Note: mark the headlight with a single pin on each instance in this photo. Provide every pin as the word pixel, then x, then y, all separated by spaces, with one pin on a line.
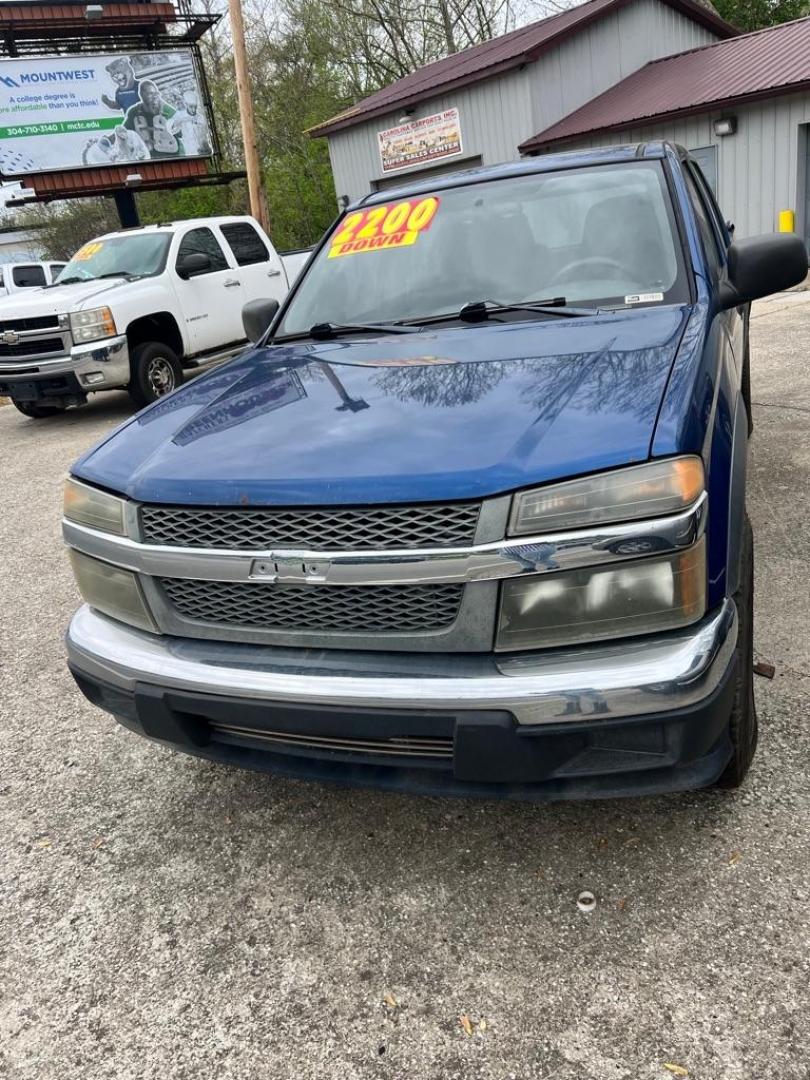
pixel 92 325
pixel 111 590
pixel 89 506
pixel 642 491
pixel 579 606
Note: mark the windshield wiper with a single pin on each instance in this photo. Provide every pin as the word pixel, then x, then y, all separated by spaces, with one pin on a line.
pixel 325 330
pixel 479 310
pixel 99 277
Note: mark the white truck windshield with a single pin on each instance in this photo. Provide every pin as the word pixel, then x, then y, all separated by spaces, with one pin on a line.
pixel 139 255
pixel 597 236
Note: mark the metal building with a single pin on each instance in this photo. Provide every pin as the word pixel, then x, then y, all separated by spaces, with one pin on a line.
pixel 607 71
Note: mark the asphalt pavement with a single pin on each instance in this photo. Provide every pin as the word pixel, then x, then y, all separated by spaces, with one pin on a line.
pixel 162 918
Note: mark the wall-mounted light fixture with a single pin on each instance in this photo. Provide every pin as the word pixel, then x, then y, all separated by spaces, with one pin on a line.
pixel 726 126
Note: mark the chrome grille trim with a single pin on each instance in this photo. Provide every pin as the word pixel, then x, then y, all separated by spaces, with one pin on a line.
pixel 351 609
pixel 594 546
pixel 328 529
pixel 428 746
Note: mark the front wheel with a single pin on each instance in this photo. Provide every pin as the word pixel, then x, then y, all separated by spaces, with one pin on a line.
pixel 743 725
pixel 156 371
pixel 37 412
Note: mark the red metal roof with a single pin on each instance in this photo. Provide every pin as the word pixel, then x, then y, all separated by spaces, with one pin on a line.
pixel 18 17
pixel 102 181
pixel 501 53
pixel 764 63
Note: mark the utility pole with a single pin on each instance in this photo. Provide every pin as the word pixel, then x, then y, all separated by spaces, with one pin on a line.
pixel 258 205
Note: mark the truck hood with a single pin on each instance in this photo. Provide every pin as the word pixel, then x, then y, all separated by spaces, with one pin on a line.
pixel 459 413
pixel 59 299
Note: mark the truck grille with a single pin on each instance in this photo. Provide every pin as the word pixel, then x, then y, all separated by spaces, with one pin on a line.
pixel 32 347
pixel 347 609
pixel 425 746
pixel 352 529
pixel 38 322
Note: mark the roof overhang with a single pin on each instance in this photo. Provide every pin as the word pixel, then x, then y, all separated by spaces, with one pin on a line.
pixel 538 143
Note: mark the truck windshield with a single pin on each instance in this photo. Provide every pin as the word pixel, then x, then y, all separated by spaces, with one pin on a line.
pixel 599 236
pixel 139 255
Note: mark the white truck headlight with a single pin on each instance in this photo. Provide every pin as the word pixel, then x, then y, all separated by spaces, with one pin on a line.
pixel 580 606
pixel 92 325
pixel 96 509
pixel 111 590
pixel 641 491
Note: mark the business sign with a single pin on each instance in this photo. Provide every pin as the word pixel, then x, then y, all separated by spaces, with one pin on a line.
pixel 420 142
pixel 72 112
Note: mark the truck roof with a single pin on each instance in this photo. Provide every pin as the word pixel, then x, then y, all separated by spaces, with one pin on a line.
pixel 170 226
pixel 543 163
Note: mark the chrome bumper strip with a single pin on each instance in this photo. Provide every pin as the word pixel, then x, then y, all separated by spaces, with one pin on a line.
pixel 483 562
pixel 108 357
pixel 633 677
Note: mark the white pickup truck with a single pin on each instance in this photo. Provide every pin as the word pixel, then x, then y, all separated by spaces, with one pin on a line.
pixel 133 309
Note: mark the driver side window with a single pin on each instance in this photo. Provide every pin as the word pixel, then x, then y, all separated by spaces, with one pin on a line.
pixel 203 242
pixel 707 232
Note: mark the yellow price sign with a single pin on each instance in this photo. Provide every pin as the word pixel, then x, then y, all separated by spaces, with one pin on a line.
pixel 88 251
pixel 378 228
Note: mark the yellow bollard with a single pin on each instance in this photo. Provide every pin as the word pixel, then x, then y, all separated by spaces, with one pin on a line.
pixel 787 221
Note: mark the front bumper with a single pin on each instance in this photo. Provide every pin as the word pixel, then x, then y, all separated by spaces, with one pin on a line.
pixel 100 365
pixel 644 715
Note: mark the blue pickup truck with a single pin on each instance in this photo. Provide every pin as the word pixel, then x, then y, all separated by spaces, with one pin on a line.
pixel 469 518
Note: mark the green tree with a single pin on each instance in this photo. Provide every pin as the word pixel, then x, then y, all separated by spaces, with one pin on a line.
pixel 756 14
pixel 64 226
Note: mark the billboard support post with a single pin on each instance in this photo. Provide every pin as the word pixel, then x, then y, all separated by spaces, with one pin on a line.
pixel 127 209
pixel 258 204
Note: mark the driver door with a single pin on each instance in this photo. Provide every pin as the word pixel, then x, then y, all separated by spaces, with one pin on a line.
pixel 211 302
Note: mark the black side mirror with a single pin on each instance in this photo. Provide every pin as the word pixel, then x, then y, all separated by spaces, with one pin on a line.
pixel 257 315
pixel 193 264
pixel 762 265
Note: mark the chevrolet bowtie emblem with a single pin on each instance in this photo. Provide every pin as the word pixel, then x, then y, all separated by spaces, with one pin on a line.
pixel 290 569
pixel 9 337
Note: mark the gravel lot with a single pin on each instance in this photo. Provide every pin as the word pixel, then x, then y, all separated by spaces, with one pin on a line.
pixel 165 918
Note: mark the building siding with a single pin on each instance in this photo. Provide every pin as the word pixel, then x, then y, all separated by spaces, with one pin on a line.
pixel 494 116
pixel 499 113
pixel 603 54
pixel 760 169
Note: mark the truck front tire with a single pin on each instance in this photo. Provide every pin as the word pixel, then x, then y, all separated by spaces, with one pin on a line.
pixel 155 372
pixel 37 412
pixel 743 726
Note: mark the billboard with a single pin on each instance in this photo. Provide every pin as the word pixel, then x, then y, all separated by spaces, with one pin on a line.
pixel 420 142
pixel 74 112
